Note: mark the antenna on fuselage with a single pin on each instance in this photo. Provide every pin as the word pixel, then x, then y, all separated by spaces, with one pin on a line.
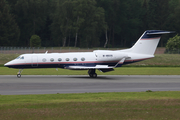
pixel 46 52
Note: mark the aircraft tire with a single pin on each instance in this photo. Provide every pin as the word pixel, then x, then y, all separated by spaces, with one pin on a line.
pixel 19 75
pixel 94 75
pixel 91 75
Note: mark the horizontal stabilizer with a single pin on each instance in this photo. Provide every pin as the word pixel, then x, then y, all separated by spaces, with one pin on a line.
pixel 158 32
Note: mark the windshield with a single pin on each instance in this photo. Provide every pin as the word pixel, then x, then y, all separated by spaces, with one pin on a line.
pixel 20 57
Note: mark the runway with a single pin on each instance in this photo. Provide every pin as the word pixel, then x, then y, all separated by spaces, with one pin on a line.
pixel 46 84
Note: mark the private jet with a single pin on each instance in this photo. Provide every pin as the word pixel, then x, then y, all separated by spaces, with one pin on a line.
pixel 102 60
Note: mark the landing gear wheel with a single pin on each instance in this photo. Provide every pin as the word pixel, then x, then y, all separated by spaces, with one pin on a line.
pixel 92 73
pixel 19 75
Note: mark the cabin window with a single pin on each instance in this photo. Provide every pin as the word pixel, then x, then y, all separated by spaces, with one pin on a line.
pixel 51 59
pixel 67 59
pixel 83 59
pixel 103 55
pixel 59 59
pixel 75 59
pixel 44 59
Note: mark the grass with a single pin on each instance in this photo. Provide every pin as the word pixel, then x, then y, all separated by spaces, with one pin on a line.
pixel 86 97
pixel 118 71
pixel 160 60
pixel 114 110
pixel 90 106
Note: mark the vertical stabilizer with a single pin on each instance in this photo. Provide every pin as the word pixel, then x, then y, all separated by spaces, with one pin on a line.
pixel 148 42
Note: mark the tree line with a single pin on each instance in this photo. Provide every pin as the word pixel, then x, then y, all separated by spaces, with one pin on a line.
pixel 85 23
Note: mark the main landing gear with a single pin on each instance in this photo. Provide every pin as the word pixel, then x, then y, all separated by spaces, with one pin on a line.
pixel 19 73
pixel 92 73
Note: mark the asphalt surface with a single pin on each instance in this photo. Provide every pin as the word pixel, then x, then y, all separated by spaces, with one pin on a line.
pixel 46 84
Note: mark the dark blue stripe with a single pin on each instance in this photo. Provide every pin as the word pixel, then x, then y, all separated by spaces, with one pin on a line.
pixel 58 65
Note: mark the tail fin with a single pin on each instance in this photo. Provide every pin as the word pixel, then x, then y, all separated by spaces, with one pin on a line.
pixel 148 42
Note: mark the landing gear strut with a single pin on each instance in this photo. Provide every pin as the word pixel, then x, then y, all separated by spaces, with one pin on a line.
pixel 19 73
pixel 92 73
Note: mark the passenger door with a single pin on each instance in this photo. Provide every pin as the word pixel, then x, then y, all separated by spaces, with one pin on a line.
pixel 34 61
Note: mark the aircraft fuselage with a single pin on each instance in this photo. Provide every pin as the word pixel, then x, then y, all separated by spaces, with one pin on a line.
pixel 64 60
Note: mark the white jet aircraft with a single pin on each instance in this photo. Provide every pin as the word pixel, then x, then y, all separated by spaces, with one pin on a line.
pixel 103 60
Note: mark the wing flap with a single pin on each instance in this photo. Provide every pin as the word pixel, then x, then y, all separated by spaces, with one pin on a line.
pixel 106 70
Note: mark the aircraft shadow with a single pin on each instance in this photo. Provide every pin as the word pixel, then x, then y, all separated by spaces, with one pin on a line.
pixel 98 78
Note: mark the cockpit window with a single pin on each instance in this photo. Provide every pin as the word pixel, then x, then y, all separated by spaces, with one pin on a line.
pixel 18 57
pixel 22 57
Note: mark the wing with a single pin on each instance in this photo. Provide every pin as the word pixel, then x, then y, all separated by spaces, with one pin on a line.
pixel 103 68
pixel 93 67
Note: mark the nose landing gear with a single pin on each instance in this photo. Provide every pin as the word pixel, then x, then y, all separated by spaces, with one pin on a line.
pixel 19 73
pixel 92 73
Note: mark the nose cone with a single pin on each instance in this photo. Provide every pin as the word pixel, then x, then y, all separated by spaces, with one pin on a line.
pixel 8 64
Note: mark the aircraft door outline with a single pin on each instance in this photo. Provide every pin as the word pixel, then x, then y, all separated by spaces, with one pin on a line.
pixel 34 61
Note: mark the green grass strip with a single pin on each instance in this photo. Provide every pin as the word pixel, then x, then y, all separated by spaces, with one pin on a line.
pixel 87 97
